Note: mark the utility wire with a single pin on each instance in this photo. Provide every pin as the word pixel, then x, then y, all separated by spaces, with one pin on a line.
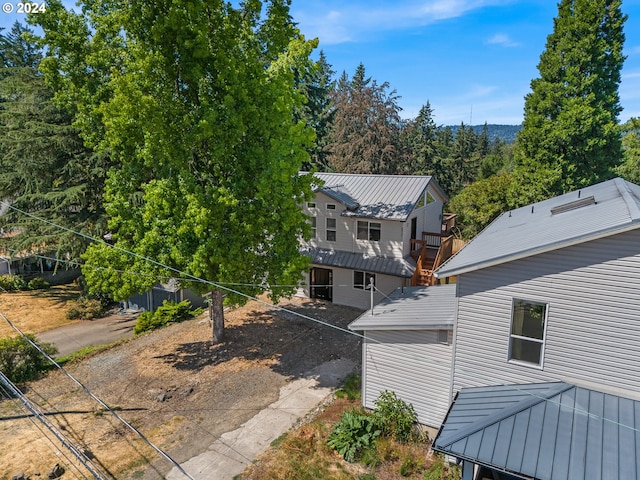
pixel 61 438
pixel 103 404
pixel 222 287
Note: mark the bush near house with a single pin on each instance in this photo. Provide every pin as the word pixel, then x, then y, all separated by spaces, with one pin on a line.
pixel 86 308
pixel 20 361
pixel 166 313
pixel 313 450
pixel 12 283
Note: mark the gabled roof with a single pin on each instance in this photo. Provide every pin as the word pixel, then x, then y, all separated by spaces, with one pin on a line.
pixel 387 197
pixel 412 308
pixel 546 431
pixel 398 267
pixel 593 212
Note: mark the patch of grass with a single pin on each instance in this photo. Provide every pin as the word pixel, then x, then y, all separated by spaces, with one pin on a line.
pixel 351 388
pixel 87 352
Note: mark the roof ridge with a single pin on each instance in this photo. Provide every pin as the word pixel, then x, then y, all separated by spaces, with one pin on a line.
pixel 555 388
pixel 625 192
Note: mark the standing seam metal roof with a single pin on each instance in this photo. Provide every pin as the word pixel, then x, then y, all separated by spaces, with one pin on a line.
pixel 388 197
pixel 398 267
pixel 533 229
pixel 547 431
pixel 412 308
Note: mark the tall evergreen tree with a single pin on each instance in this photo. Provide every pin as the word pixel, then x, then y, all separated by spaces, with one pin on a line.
pixel 630 167
pixel 45 169
pixel 318 110
pixel 420 138
pixel 365 135
pixel 570 136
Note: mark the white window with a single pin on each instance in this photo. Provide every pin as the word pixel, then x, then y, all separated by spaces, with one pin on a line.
pixel 331 229
pixel 362 280
pixel 528 322
pixel 368 231
pixel 313 227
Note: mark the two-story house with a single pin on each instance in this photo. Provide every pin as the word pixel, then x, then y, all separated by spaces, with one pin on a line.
pixel 545 367
pixel 365 229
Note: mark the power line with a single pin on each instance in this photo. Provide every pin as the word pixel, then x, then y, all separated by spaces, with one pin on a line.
pixel 98 400
pixel 231 290
pixel 61 438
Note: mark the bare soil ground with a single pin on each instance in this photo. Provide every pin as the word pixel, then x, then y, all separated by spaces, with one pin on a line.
pixel 175 387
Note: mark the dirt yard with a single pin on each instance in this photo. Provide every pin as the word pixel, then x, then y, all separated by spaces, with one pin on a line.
pixel 37 311
pixel 175 387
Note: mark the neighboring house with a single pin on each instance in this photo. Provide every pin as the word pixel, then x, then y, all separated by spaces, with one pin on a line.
pixel 550 292
pixel 370 227
pixel 5 266
pixel 170 291
pixel 408 349
pixel 547 293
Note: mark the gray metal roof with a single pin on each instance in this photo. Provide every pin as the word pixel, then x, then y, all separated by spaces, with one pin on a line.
pixel 412 308
pixel 549 431
pixel 398 267
pixel 535 229
pixel 388 197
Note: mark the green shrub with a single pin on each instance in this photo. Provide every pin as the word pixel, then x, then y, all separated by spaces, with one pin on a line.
pixel 394 417
pixel 86 308
pixel 166 313
pixel 354 432
pixel 442 470
pixel 20 361
pixel 37 283
pixel 351 388
pixel 409 465
pixel 12 282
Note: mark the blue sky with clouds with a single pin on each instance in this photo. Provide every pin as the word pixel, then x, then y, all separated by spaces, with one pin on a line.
pixel 473 60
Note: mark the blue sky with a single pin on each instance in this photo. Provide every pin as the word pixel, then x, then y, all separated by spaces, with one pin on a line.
pixel 473 60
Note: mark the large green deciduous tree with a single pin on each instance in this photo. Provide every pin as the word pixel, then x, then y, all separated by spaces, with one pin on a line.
pixel 195 101
pixel 45 169
pixel 570 136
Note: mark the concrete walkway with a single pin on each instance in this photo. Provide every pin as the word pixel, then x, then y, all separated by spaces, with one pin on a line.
pixel 234 451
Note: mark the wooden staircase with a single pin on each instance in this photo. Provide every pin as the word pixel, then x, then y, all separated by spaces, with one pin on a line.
pixel 436 248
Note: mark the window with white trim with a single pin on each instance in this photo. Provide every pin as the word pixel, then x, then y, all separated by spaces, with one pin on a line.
pixel 311 204
pixel 331 229
pixel 331 206
pixel 368 231
pixel 362 280
pixel 314 228
pixel 526 340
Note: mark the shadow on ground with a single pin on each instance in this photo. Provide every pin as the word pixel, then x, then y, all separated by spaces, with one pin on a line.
pixel 297 343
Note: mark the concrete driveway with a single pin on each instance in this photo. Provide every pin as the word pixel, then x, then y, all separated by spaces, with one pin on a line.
pixel 88 333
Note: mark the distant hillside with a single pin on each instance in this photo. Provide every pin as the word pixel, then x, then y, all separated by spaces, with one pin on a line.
pixel 507 133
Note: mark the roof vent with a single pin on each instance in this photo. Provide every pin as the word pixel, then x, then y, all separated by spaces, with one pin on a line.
pixel 566 207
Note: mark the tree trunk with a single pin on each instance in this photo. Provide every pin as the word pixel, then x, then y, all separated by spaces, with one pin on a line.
pixel 216 315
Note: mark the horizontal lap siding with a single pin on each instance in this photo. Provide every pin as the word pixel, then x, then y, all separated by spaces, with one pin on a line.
pixel 593 329
pixel 414 366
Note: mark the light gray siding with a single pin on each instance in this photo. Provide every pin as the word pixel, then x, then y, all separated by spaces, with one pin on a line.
pixel 345 294
pixel 412 364
pixel 390 243
pixel 593 320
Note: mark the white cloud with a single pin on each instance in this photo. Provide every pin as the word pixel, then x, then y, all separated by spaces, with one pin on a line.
pixel 502 39
pixel 336 21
